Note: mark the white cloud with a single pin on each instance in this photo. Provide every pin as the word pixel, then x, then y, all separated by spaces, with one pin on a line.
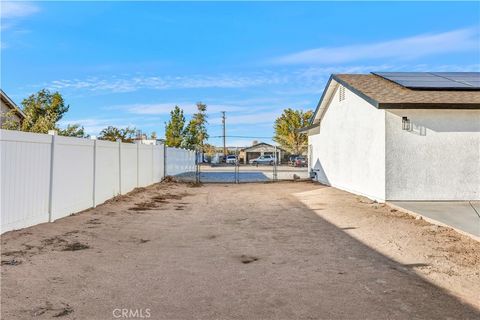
pixel 129 84
pixel 405 48
pixel 16 9
pixel 9 14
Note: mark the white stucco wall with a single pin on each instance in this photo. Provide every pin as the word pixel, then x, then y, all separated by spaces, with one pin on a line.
pixel 349 151
pixel 438 160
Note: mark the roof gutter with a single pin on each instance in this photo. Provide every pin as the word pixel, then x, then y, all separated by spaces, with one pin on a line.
pixel 455 106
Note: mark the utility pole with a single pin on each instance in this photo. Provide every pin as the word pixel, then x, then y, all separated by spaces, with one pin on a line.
pixel 224 144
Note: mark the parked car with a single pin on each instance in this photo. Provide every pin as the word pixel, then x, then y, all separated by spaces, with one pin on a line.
pixel 291 160
pixel 267 159
pixel 231 159
pixel 300 162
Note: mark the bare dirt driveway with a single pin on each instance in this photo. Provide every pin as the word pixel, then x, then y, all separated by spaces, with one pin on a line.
pixel 248 251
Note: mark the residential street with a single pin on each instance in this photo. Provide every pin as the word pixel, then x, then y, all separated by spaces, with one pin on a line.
pixel 250 251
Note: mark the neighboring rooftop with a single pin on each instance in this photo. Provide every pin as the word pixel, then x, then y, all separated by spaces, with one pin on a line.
pixel 10 104
pixel 259 144
pixel 383 93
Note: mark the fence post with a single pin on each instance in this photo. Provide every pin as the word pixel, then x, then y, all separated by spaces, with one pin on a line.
pixel 50 195
pixel 164 160
pixel 94 171
pixel 153 174
pixel 119 166
pixel 138 164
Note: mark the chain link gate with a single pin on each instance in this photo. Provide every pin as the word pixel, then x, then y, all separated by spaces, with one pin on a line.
pixel 236 168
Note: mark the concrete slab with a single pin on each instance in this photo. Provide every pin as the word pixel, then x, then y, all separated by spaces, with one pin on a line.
pixel 461 215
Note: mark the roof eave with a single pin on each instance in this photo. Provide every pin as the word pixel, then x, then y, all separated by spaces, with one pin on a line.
pixel 308 128
pixel 321 100
pixel 453 106
pixel 264 143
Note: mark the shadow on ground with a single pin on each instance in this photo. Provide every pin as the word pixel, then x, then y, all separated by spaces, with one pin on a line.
pixel 235 251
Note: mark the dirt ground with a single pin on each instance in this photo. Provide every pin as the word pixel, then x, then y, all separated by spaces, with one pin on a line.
pixel 249 251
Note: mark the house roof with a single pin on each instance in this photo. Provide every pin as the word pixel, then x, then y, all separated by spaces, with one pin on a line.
pixel 11 104
pixel 261 143
pixel 386 94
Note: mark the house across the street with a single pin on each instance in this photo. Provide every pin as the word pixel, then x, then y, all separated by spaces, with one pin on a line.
pixel 7 105
pixel 260 149
pixel 399 136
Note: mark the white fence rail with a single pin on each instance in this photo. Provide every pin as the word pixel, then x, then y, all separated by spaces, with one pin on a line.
pixel 45 177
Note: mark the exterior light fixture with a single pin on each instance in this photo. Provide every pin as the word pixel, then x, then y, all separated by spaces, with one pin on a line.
pixel 406 124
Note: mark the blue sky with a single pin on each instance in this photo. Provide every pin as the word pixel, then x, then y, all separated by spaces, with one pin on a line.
pixel 128 64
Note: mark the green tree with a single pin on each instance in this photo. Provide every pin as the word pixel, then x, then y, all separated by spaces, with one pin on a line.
pixel 10 121
pixel 209 149
pixel 153 135
pixel 42 111
pixel 174 129
pixel 286 130
pixel 73 130
pixel 112 133
pixel 195 133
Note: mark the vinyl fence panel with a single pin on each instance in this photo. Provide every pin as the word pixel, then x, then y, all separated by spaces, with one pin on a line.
pixel 145 165
pixel 25 179
pixel 107 170
pixel 158 163
pixel 72 185
pixel 128 167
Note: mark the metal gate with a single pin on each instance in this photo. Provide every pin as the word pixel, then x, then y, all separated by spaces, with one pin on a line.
pixel 235 171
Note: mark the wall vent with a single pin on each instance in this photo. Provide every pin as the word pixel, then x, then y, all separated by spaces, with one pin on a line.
pixel 341 94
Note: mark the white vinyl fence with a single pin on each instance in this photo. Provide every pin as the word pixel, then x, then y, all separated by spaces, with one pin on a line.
pixel 184 161
pixel 47 177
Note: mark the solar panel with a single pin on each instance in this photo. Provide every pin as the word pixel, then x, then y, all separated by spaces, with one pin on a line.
pixel 434 80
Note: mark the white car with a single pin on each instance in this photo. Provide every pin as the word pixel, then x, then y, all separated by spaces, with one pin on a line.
pixel 267 159
pixel 231 159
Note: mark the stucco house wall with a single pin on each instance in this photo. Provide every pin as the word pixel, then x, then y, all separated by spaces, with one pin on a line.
pixel 349 151
pixel 439 159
